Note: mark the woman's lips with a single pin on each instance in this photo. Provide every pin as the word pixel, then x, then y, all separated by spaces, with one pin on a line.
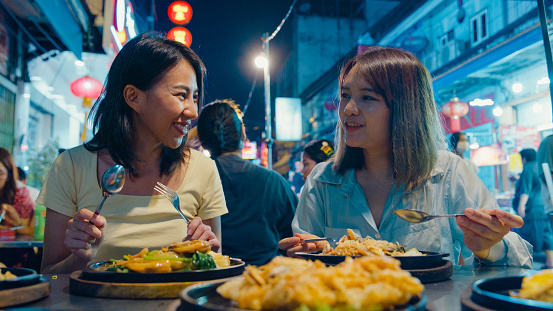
pixel 182 128
pixel 352 126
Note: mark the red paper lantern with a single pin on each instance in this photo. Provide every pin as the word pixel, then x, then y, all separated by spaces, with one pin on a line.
pixel 455 109
pixel 180 34
pixel 180 12
pixel 87 87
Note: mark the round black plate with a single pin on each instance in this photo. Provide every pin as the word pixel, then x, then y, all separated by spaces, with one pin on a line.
pixel 204 297
pixel 91 273
pixel 431 260
pixel 25 277
pixel 494 293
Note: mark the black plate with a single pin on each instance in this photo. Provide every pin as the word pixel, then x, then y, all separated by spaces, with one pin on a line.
pixel 431 260
pixel 494 294
pixel 202 297
pixel 91 273
pixel 25 277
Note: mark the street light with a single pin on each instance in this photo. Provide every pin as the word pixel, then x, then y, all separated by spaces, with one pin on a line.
pixel 263 62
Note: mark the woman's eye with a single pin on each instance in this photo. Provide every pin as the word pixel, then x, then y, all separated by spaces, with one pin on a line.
pixel 182 95
pixel 344 95
pixel 367 97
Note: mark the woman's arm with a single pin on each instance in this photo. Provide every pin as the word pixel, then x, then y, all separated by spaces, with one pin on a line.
pixel 206 230
pixel 70 242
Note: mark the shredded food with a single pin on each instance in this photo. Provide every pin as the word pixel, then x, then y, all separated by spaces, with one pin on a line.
pixel 538 286
pixel 179 256
pixel 352 245
pixel 364 283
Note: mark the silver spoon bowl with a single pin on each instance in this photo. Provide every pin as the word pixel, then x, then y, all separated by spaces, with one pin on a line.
pixel 417 216
pixel 112 182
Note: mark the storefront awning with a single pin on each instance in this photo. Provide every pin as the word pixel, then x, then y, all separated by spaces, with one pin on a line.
pixel 60 17
pixel 483 60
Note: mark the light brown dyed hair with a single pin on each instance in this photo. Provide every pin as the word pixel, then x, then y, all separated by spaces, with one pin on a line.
pixel 416 131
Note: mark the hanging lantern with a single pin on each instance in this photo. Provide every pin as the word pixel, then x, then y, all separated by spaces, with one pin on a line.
pixel 88 88
pixel 454 109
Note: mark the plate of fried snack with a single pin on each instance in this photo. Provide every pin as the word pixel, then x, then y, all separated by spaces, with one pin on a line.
pixel 532 292
pixel 186 261
pixel 17 277
pixel 354 246
pixel 364 283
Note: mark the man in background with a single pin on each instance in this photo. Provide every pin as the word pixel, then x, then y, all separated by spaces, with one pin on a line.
pixel 529 205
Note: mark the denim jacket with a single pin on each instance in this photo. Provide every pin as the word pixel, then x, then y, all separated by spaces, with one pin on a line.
pixel 331 203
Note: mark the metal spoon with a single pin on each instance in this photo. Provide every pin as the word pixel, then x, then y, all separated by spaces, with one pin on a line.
pixel 412 215
pixel 112 182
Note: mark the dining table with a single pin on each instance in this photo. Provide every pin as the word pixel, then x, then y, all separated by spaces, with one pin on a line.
pixel 444 295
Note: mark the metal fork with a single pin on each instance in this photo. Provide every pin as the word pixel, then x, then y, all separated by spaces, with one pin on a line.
pixel 171 196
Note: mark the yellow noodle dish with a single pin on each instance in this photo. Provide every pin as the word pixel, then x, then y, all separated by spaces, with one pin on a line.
pixel 364 283
pixel 538 286
pixel 177 257
pixel 351 245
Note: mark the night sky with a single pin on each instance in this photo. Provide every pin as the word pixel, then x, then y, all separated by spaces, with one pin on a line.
pixel 226 34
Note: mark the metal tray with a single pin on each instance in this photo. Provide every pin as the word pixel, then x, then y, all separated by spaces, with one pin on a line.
pixel 494 294
pixel 92 273
pixel 204 297
pixel 431 260
pixel 25 277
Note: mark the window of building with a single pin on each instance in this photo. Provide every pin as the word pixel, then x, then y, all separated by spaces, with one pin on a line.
pixel 479 28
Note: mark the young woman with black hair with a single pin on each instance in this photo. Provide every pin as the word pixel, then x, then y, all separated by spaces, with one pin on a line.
pixel 153 92
pixel 261 204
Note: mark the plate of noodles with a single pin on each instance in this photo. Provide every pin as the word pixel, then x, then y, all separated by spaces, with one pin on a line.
pixel 367 283
pixel 351 245
pixel 187 261
pixel 533 292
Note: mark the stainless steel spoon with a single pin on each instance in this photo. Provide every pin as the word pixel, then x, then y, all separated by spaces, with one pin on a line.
pixel 412 215
pixel 112 182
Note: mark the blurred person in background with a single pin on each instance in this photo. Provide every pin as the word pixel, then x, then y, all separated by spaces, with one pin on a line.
pixel 545 155
pixel 295 177
pixel 260 202
pixel 17 205
pixel 528 203
pixel 33 192
pixel 315 152
pixel 391 154
pixel 153 91
pixel 460 144
pixel 17 209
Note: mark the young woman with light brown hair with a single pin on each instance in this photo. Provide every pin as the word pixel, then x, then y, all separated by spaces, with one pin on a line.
pixel 391 154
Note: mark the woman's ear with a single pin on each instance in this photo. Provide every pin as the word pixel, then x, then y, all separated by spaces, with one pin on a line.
pixel 131 94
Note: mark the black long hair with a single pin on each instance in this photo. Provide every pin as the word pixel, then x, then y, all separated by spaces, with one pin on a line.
pixel 142 62
pixel 220 128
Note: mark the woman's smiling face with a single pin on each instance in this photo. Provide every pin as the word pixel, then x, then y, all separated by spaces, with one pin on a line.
pixel 166 110
pixel 363 113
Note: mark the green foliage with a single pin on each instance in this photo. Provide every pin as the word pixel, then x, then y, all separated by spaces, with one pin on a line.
pixel 40 162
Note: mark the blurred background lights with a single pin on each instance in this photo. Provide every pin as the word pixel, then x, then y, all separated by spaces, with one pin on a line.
pixel 261 62
pixel 481 102
pixel 544 80
pixel 497 111
pixel 79 63
pixel 517 87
